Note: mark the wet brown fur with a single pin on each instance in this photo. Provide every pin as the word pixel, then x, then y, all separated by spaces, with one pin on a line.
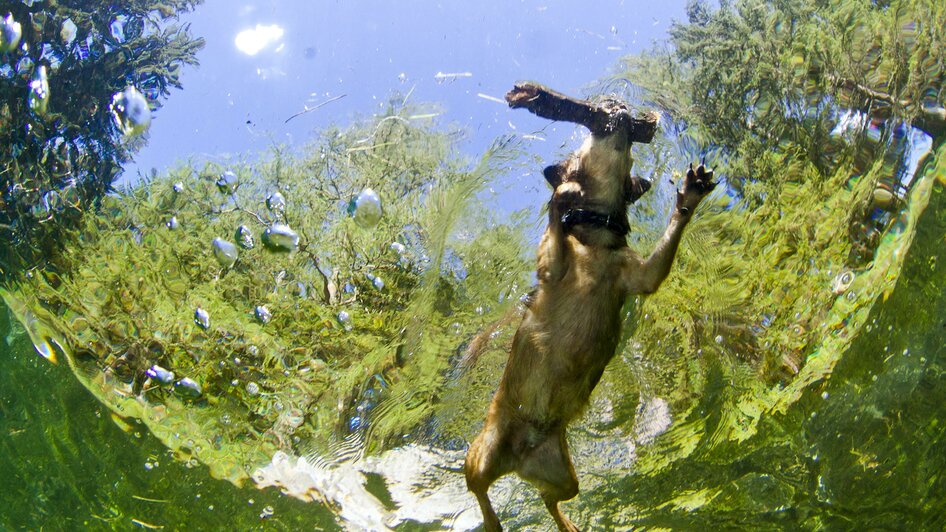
pixel 571 327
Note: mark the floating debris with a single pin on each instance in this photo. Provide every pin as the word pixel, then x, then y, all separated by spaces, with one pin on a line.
pixel 279 237
pixel 276 202
pixel 491 98
pixel 366 208
pixel 160 374
pixel 202 318
pixel 227 182
pixel 10 33
pixel 440 77
pixel 186 388
pixel 38 97
pixel 172 223
pixel 263 314
pixel 178 187
pixel 244 237
pixel 225 252
pixel 131 112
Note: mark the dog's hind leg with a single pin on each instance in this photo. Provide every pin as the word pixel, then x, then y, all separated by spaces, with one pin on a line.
pixel 487 459
pixel 549 468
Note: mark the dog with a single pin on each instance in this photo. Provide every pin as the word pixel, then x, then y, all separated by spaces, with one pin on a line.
pixel 572 322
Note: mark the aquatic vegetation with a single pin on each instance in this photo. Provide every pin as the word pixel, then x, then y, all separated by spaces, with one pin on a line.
pixel 789 373
pixel 299 342
pixel 778 280
pixel 72 91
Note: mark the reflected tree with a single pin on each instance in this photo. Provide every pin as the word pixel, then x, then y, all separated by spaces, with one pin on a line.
pixel 61 150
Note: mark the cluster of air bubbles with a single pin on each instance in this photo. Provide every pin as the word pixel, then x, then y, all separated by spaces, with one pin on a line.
pixel 227 182
pixel 131 112
pixel 842 282
pixel 376 281
pixel 186 388
pixel 267 512
pixel 225 252
pixel 366 208
pixel 202 318
pixel 276 202
pixel 10 34
pixel 68 31
pixel 159 374
pixel 280 237
pixel 262 314
pixel 38 97
pixel 244 237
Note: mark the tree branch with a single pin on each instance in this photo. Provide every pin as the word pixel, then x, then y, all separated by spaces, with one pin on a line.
pixel 546 103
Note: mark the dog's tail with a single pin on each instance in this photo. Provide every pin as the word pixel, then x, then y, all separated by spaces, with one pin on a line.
pixel 481 341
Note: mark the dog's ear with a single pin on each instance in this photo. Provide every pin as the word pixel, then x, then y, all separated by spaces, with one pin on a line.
pixel 634 188
pixel 554 174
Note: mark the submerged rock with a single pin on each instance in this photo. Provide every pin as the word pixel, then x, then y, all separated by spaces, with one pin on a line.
pixel 225 252
pixel 280 237
pixel 131 112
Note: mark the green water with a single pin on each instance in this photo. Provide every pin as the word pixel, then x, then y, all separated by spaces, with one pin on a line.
pixel 68 465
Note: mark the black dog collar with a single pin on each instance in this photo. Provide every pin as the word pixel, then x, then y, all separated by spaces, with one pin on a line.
pixel 585 217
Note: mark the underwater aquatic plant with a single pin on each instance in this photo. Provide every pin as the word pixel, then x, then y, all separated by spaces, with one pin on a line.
pixel 76 64
pixel 303 324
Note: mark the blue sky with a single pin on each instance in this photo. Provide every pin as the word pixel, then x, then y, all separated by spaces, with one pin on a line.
pixel 236 103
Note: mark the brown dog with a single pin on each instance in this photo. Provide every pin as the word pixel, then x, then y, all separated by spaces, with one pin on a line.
pixel 572 325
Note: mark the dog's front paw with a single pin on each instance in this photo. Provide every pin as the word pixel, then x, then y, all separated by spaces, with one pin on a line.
pixel 696 185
